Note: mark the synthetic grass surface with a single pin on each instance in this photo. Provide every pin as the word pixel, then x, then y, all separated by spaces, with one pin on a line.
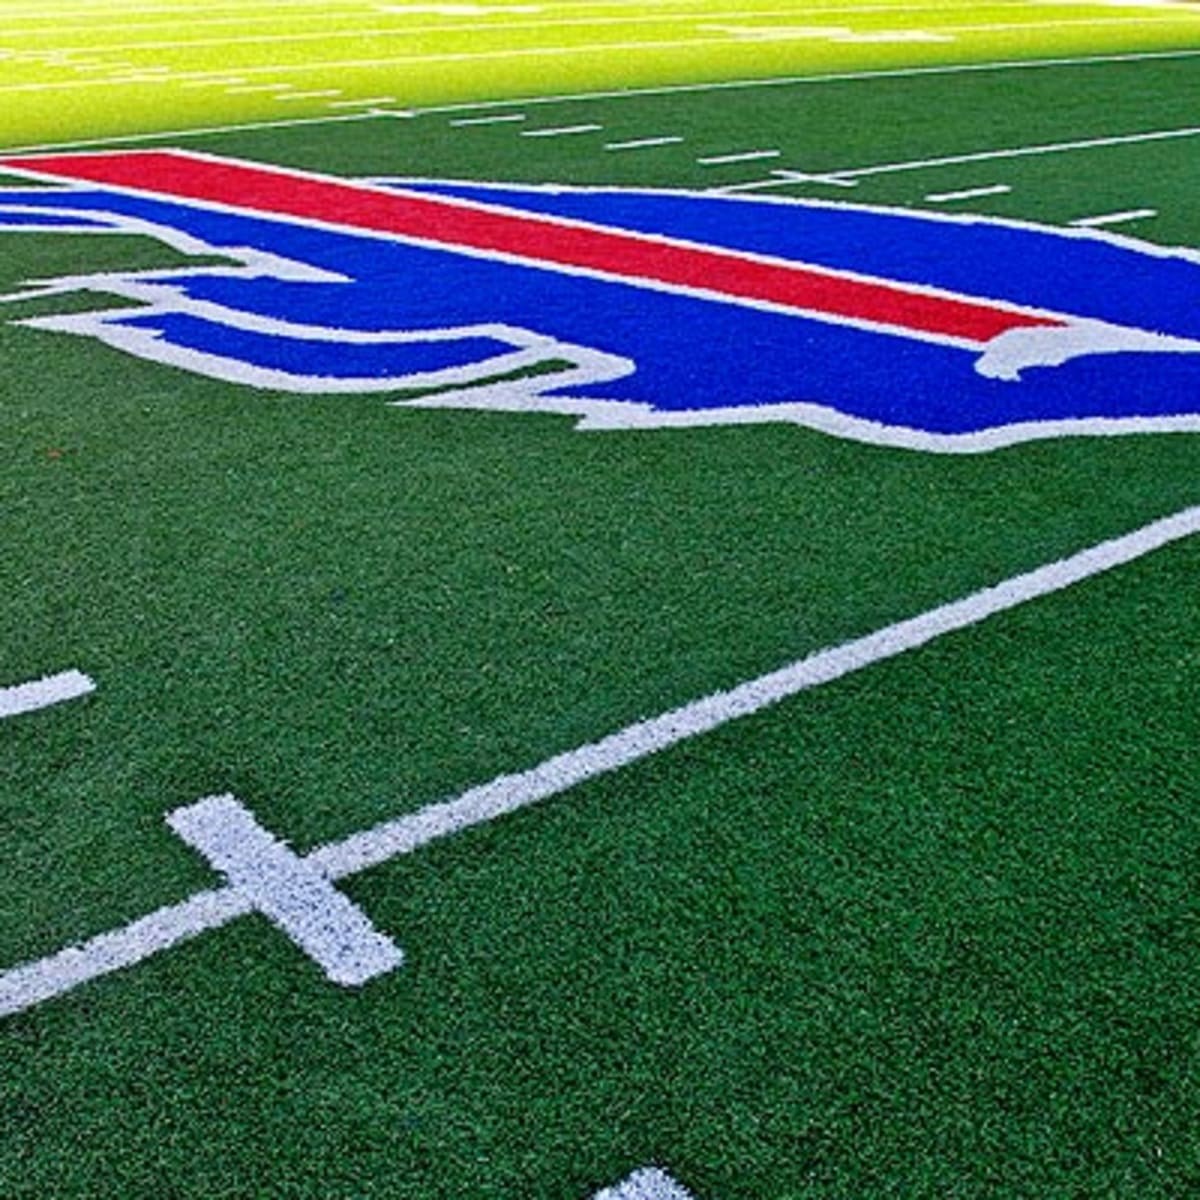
pixel 928 931
pixel 73 70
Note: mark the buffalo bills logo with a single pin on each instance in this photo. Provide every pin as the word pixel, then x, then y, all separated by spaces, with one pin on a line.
pixel 631 309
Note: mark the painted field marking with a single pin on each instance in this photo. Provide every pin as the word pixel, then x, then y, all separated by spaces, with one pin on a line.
pixel 718 160
pixel 1115 218
pixel 783 178
pixel 650 1183
pixel 498 119
pixel 289 891
pixel 652 262
pixel 996 189
pixel 32 983
pixel 1096 143
pixel 792 177
pixel 44 692
pixel 561 131
pixel 644 143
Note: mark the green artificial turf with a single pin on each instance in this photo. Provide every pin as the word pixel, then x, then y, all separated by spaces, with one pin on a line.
pixel 929 931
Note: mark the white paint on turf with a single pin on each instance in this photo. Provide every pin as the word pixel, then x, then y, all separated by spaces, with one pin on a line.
pixel 644 143
pixel 561 131
pixel 44 692
pixel 498 119
pixel 1115 218
pixel 782 178
pixel 976 193
pixel 34 982
pixel 650 1183
pixel 294 895
pixel 741 156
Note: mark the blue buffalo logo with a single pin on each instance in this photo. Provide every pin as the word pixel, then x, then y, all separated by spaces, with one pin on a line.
pixel 630 309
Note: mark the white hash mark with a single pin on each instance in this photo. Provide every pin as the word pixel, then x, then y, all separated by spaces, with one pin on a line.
pixel 649 1183
pixel 42 693
pixel 292 893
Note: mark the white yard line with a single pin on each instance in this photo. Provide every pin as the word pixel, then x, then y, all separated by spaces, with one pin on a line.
pixel 785 178
pixel 948 160
pixel 42 693
pixel 24 986
pixel 1115 218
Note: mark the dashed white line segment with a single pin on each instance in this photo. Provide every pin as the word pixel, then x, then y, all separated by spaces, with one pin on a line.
pixel 717 160
pixel 976 193
pixel 31 983
pixel 44 692
pixel 1115 218
pixel 561 131
pixel 643 143
pixel 495 119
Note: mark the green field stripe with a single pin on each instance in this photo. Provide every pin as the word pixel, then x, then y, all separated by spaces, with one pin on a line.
pixel 30 984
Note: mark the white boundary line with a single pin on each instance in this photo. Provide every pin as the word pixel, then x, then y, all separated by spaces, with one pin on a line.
pixel 32 983
pixel 630 93
pixel 42 693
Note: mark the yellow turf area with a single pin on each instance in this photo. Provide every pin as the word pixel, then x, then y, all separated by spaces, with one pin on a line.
pixel 80 69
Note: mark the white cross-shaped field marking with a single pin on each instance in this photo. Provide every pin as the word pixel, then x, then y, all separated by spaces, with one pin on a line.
pixel 287 889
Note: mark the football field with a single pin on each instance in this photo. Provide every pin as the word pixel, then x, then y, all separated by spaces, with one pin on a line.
pixel 600 600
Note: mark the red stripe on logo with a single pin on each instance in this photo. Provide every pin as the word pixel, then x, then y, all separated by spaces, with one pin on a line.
pixel 537 240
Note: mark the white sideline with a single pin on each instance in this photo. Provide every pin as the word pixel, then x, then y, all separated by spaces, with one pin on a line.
pixel 31 983
pixel 42 693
